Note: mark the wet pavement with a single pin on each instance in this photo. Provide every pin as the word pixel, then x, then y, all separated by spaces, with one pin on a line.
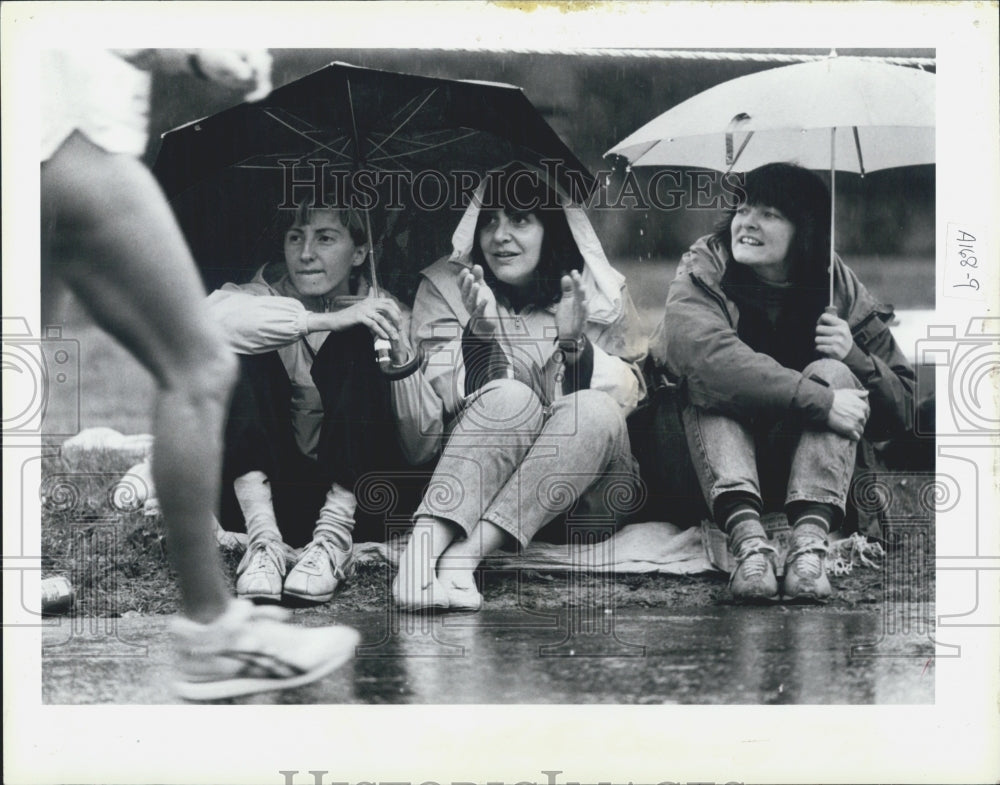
pixel 721 654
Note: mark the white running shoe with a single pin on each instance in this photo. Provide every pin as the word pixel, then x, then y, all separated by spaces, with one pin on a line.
pixel 321 569
pixel 251 648
pixel 261 571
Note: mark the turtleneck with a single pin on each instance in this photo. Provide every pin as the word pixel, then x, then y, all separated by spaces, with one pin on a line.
pixel 775 318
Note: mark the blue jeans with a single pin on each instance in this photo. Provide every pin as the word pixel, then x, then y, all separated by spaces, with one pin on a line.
pixel 517 464
pixel 776 460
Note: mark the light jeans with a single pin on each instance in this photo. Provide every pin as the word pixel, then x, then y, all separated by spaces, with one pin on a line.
pixel 773 459
pixel 518 464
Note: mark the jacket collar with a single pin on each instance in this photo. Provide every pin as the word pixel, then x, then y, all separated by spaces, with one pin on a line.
pixel 708 257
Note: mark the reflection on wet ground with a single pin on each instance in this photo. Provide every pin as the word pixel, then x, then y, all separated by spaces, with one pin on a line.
pixel 722 654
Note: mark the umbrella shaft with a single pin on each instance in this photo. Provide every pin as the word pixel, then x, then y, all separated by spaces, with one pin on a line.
pixel 833 201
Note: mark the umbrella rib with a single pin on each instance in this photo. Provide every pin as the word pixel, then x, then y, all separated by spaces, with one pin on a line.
pixel 304 135
pixel 409 117
pixel 431 146
pixel 299 158
pixel 857 146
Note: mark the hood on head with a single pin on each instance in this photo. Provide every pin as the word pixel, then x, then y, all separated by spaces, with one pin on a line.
pixel 602 283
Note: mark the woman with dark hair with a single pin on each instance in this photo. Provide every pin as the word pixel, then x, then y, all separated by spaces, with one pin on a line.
pixel 311 413
pixel 532 344
pixel 777 390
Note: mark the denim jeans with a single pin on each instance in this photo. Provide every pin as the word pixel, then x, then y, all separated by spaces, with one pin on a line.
pixel 518 464
pixel 776 460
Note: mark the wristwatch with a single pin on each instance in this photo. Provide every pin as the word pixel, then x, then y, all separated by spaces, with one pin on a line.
pixel 569 346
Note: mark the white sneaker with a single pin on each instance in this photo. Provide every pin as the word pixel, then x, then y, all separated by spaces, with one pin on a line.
pixel 321 569
pixel 261 571
pixel 251 648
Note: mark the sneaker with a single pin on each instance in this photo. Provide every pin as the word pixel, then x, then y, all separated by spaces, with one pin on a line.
pixel 753 579
pixel 321 569
pixel 252 648
pixel 805 570
pixel 261 571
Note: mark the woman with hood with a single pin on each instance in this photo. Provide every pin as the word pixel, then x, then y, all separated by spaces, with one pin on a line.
pixel 312 413
pixel 533 345
pixel 777 390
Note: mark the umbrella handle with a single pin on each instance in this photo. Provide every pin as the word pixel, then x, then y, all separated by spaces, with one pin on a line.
pixel 393 372
pixel 831 309
pixel 382 347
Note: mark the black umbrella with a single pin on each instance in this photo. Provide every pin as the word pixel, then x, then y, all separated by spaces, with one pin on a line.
pixel 384 141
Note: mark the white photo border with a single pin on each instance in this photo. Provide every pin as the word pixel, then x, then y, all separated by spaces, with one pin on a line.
pixel 954 740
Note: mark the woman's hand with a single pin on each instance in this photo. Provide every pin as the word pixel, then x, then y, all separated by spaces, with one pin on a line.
pixel 238 69
pixel 849 413
pixel 381 315
pixel 833 336
pixel 479 301
pixel 571 313
pixel 248 70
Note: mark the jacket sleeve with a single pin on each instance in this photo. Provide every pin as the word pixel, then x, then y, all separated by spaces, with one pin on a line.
pixel 255 321
pixel 881 367
pixel 619 351
pixel 698 345
pixel 437 330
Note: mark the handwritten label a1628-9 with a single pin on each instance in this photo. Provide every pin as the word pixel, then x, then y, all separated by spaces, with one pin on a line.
pixel 964 274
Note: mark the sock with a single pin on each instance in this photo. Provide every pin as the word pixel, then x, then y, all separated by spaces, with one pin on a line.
pixel 253 492
pixel 736 507
pixel 815 517
pixel 336 517
pixel 738 515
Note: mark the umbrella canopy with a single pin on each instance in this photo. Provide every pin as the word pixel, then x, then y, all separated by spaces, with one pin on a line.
pixel 881 116
pixel 227 175
pixel 844 113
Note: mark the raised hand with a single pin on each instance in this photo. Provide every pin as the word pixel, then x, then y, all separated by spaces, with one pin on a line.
pixel 833 336
pixel 849 413
pixel 571 313
pixel 479 300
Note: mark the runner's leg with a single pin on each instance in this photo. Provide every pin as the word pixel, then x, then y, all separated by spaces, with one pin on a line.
pixel 121 252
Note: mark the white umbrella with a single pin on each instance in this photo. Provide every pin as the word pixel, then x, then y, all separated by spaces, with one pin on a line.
pixel 845 113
